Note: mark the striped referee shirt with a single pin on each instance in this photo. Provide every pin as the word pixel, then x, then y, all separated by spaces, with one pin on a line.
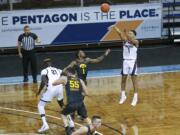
pixel 28 41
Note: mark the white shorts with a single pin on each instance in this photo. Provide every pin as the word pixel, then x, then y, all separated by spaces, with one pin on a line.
pixel 51 92
pixel 129 67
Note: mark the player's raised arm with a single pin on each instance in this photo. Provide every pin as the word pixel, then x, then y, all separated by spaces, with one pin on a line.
pixel 80 131
pixel 99 59
pixel 122 36
pixel 61 80
pixel 72 64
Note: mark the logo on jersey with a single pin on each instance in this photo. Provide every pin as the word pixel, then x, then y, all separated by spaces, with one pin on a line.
pixel 83 68
pixel 74 85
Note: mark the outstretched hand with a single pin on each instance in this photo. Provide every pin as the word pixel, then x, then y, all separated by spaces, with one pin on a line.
pixel 107 52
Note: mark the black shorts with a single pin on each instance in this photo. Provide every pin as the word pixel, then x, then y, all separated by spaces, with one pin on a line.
pixel 72 107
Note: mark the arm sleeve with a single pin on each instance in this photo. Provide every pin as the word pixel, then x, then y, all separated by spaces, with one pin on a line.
pixel 20 38
pixel 44 72
pixel 34 36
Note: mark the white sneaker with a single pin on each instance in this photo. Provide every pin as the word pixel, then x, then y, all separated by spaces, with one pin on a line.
pixel 135 100
pixel 122 100
pixel 135 129
pixel 124 128
pixel 43 129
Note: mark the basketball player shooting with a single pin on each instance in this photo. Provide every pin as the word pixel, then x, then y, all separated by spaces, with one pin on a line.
pixel 130 48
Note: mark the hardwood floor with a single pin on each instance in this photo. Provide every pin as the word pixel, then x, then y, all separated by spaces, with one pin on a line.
pixel 157 112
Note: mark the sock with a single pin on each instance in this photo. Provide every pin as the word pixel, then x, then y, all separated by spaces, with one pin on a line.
pixel 70 121
pixel 123 127
pixel 123 93
pixel 41 110
pixel 41 106
pixel 135 95
pixel 135 129
pixel 44 119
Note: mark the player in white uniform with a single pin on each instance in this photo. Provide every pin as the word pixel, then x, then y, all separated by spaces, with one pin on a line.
pixel 48 76
pixel 130 48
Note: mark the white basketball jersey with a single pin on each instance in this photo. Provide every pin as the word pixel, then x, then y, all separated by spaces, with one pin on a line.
pixel 52 74
pixel 129 51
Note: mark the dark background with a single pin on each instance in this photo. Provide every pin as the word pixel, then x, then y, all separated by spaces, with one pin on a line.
pixel 149 55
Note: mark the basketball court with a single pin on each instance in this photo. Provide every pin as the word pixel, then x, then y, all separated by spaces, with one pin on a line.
pixel 108 33
pixel 156 113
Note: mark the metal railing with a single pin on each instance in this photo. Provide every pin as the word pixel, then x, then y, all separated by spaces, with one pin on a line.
pixel 171 18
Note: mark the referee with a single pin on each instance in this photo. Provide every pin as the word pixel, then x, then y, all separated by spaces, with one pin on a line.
pixel 27 53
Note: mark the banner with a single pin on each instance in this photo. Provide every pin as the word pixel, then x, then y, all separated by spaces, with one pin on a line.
pixel 81 24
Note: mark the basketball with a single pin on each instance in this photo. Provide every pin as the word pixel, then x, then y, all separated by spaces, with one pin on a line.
pixel 105 7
